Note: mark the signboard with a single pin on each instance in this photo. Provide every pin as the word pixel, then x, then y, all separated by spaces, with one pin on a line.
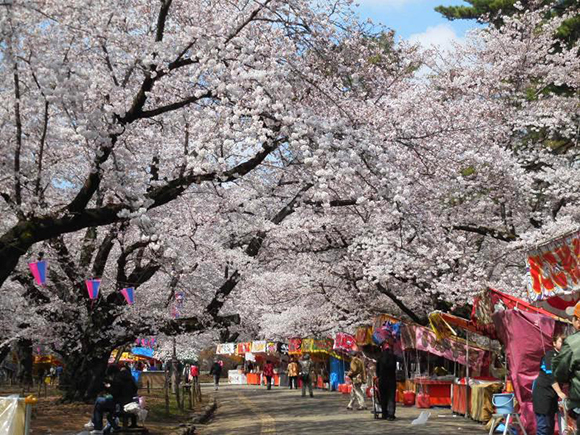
pixel 243 348
pixel 226 349
pixel 345 342
pixel 555 267
pixel 258 346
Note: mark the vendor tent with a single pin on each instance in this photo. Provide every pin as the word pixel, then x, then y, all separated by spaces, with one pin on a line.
pixel 424 339
pixel 526 337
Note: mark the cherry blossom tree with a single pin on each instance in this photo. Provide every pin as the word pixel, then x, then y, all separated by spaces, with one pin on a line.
pixel 114 109
pixel 474 160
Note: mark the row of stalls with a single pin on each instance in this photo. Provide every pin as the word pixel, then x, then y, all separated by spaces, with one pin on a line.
pixel 455 362
pixel 330 358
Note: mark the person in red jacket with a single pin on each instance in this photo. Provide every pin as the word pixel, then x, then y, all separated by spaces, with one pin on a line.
pixel 269 373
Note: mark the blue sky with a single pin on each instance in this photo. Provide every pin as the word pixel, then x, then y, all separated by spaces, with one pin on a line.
pixel 416 19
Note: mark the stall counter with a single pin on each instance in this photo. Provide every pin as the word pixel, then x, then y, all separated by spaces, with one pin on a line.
pixel 439 391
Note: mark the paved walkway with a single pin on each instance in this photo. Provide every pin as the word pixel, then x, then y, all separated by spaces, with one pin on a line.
pixel 251 410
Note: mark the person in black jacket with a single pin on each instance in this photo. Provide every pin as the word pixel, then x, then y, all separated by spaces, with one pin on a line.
pixel 119 389
pixel 387 374
pixel 216 371
pixel 546 390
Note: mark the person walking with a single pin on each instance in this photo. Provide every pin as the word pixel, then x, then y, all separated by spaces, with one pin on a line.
pixel 357 373
pixel 546 391
pixel 216 371
pixel 387 374
pixel 194 373
pixel 293 374
pixel 306 374
pixel 269 373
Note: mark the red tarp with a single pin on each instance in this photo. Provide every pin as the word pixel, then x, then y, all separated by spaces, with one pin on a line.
pixel 526 337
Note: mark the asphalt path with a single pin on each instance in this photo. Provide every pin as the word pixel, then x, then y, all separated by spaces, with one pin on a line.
pixel 254 410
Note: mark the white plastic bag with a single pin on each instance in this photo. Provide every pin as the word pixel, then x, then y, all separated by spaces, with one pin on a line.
pixel 132 408
pixel 422 419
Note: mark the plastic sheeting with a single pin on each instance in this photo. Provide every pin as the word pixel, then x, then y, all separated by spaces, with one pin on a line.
pixel 12 415
pixel 337 369
pixel 526 337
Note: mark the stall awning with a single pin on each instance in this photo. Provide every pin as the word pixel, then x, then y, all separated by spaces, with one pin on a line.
pixel 424 339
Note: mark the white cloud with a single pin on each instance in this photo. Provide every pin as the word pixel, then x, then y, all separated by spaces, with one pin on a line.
pixel 442 36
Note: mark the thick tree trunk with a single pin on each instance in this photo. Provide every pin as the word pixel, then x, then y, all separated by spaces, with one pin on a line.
pixel 84 373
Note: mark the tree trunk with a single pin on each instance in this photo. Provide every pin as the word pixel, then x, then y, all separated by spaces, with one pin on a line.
pixel 84 373
pixel 24 352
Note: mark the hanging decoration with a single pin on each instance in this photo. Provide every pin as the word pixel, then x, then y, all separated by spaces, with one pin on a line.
pixel 38 269
pixel 179 298
pixel 129 294
pixel 93 286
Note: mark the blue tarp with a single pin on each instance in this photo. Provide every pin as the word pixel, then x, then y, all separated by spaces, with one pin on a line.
pixel 143 351
pixel 337 369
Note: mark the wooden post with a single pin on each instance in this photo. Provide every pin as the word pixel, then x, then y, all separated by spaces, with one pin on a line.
pixel 191 395
pixel 148 386
pixel 166 391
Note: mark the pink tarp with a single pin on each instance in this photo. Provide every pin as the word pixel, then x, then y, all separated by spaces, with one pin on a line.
pixel 420 338
pixel 526 337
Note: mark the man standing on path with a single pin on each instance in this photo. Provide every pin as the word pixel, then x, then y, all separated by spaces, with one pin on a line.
pixel 358 375
pixel 216 371
pixel 306 374
pixel 566 364
pixel 387 374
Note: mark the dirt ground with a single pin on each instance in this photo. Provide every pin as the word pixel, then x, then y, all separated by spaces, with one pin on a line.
pixel 54 418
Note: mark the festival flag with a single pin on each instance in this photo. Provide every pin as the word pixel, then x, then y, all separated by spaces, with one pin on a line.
pixel 38 269
pixel 176 310
pixel 93 288
pixel 129 294
pixel 554 267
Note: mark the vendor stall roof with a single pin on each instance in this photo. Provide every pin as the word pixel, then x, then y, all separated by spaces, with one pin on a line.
pixel 557 304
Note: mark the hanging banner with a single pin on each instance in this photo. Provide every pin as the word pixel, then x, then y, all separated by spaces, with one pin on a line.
pixel 272 348
pixel 179 299
pixel 364 335
pixel 316 345
pixel 226 349
pixel 345 342
pixel 420 338
pixel 129 295
pixel 243 348
pixel 554 267
pixel 295 346
pixel 38 270
pixel 282 348
pixel 258 346
pixel 93 286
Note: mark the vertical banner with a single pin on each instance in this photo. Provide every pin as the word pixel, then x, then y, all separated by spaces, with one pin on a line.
pixel 554 267
pixel 179 298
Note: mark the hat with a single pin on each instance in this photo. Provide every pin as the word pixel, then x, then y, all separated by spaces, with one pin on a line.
pixel 574 311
